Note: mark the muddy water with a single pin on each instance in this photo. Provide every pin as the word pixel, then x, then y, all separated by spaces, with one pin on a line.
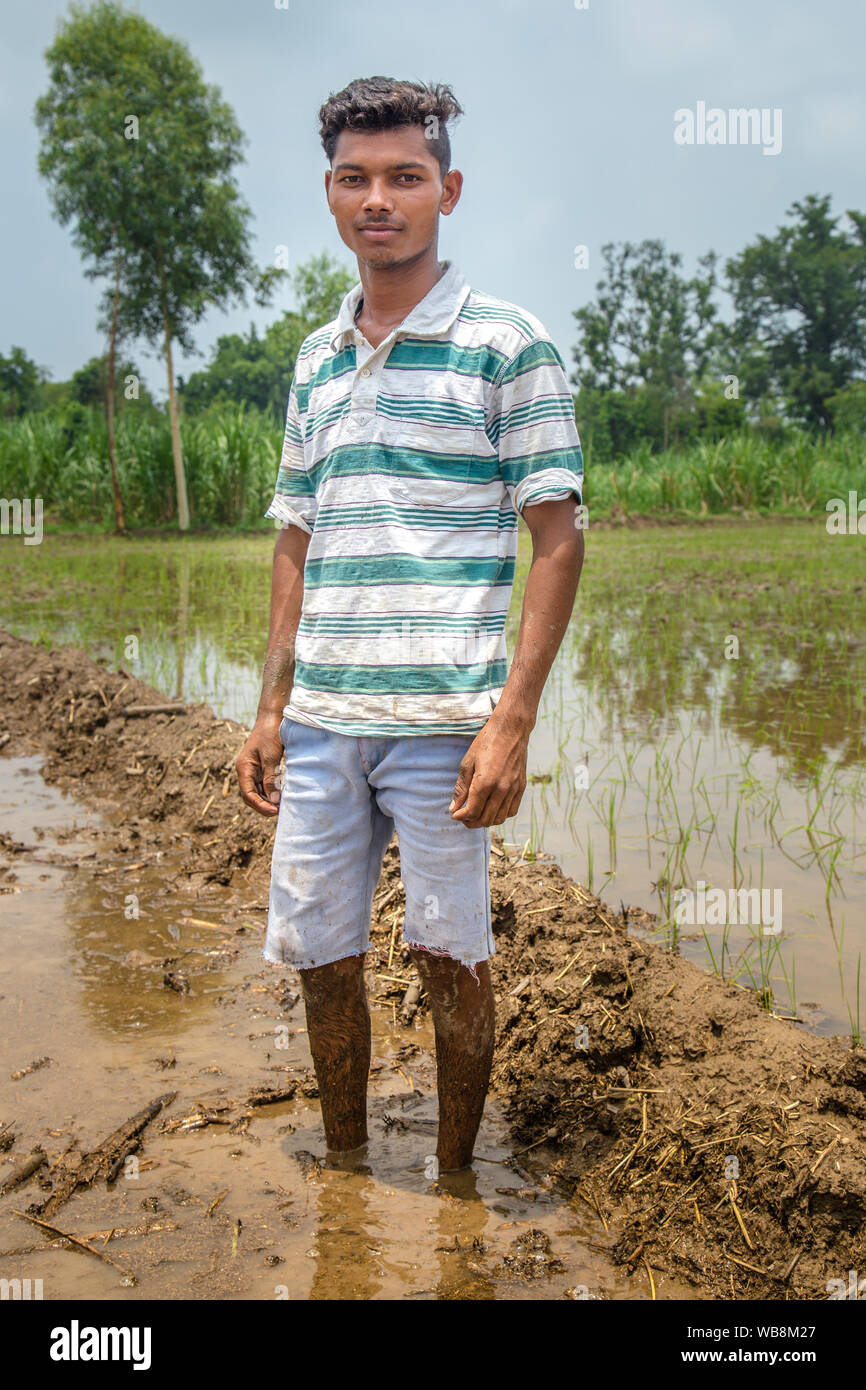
pixel 249 1214
pixel 746 773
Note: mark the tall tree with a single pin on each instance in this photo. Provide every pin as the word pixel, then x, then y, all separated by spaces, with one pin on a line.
pixel 800 310
pixel 649 326
pixel 139 152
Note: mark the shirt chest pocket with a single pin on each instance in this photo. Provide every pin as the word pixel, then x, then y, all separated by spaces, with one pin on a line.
pixel 431 466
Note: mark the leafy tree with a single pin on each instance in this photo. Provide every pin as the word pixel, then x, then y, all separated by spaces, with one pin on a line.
pixel 649 327
pixel 20 383
pixel 89 384
pixel 258 369
pixel 615 424
pixel 848 408
pixel 800 310
pixel 139 152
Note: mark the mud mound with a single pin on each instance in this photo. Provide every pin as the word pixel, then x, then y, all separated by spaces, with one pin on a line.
pixel 172 774
pixel 715 1142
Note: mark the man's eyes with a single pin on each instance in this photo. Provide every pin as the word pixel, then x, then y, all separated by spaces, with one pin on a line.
pixel 350 178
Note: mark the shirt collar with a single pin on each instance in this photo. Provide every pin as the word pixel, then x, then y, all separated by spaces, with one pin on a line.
pixel 433 315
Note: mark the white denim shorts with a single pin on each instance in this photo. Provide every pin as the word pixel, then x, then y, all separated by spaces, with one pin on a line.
pixel 341 800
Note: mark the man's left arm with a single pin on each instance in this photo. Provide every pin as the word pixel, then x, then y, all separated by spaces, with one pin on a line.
pixel 492 776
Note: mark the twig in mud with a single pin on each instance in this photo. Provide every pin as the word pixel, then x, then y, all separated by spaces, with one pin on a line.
pixel 820 1159
pixel 229 1112
pixel 30 1166
pixel 767 1274
pixel 517 1153
pixel 267 1095
pixel 120 868
pixel 641 1140
pixel 671 1209
pixel 211 926
pixel 216 1201
pixel 115 1233
pixel 592 1202
pixel 392 892
pixel 393 938
pixel 31 1067
pixel 740 1223
pixel 197 747
pixel 565 969
pixel 130 711
pixel 199 1118
pixel 78 1242
pixel 107 1157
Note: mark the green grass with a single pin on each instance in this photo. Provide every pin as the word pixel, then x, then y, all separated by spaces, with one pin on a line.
pixel 231 458
pixel 232 454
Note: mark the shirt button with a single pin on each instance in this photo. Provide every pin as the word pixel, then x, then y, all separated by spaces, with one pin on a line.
pixel 365 371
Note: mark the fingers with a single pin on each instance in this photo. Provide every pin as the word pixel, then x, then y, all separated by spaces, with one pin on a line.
pixel 513 806
pixel 464 779
pixel 253 782
pixel 270 786
pixel 487 803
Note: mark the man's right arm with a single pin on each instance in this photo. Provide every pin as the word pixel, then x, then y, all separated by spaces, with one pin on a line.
pixel 259 760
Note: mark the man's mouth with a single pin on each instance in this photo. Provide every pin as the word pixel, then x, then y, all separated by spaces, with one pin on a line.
pixel 379 232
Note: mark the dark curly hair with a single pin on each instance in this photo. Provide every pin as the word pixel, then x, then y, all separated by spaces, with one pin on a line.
pixel 382 103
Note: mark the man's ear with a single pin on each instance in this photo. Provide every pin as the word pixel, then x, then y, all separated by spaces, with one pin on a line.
pixel 452 188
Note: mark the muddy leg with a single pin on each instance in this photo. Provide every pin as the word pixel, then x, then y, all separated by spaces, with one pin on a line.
pixel 464 1022
pixel 338 1026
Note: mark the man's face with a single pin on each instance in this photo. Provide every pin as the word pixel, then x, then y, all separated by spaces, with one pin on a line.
pixel 386 191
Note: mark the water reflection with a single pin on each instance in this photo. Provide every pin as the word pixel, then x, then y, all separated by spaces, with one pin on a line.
pixel 705 716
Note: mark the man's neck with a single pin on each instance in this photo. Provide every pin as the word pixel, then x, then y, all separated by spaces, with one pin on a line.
pixel 390 294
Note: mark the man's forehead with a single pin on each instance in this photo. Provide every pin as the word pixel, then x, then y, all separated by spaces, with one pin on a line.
pixel 383 148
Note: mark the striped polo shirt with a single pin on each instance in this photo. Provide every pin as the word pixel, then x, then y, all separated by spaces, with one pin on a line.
pixel 408 465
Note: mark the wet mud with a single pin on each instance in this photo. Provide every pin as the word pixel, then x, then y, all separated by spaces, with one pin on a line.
pixel 652 1132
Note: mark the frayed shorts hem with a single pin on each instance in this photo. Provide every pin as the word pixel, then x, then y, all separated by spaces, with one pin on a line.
pixel 311 965
pixel 470 961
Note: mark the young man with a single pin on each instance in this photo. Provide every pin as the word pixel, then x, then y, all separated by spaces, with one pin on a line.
pixel 421 421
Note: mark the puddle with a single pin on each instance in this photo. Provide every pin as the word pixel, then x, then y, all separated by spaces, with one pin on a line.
pixel 211 1213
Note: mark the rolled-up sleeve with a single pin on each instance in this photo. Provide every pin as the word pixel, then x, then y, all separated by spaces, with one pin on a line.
pixel 532 427
pixel 294 501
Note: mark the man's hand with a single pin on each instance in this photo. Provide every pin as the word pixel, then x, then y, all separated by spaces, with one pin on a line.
pixel 492 776
pixel 257 764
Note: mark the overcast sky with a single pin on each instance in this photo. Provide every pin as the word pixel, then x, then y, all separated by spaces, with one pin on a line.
pixel 567 137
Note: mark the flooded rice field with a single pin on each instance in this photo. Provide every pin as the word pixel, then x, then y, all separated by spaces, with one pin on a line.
pixel 677 1109
pixel 704 725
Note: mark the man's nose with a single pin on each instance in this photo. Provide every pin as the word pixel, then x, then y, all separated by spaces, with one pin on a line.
pixel 378 197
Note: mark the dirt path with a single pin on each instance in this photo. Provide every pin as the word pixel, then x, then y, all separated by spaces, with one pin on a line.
pixel 719 1147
